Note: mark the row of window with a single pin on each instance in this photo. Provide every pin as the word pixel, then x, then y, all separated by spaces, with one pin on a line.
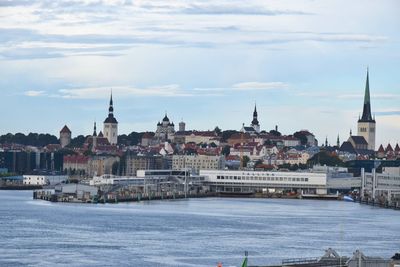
pixel 364 129
pixel 253 178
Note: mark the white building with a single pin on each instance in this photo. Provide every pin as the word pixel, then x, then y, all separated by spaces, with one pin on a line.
pixel 115 180
pixel 44 179
pixel 245 181
pixel 111 125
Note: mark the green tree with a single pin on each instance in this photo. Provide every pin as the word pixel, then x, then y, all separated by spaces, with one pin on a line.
pixel 217 130
pixel 77 141
pixel 246 160
pixel 274 132
pixel 226 150
pixel 325 158
pixel 227 134
pixel 302 137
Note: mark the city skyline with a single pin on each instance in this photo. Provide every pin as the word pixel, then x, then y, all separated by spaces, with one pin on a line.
pixel 59 62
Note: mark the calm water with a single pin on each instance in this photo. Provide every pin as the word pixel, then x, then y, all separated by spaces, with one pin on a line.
pixel 198 232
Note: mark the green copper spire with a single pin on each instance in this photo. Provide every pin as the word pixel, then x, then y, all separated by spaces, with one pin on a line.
pixel 366 115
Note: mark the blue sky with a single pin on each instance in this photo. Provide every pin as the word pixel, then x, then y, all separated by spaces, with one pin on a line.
pixel 303 61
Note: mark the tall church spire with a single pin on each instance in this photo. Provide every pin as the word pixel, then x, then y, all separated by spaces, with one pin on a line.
pixel 111 108
pixel 366 115
pixel 94 129
pixel 255 116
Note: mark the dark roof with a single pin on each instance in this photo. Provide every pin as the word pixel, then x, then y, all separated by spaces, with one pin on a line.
pixel 165 118
pixel 359 140
pixel 110 119
pixel 65 129
pixel 249 129
pixel 389 148
pixel 381 149
pixel 347 147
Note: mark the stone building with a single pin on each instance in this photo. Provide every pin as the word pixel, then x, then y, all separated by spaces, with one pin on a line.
pixel 65 136
pixel 111 125
pixel 165 130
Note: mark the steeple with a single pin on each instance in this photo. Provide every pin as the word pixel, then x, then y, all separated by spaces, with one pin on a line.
pixel 255 122
pixel 338 141
pixel 111 108
pixel 110 118
pixel 94 130
pixel 366 115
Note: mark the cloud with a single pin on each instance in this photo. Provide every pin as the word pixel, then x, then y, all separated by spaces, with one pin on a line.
pixel 246 86
pixel 14 3
pixel 259 86
pixel 373 96
pixel 212 9
pixel 171 90
pixel 34 93
pixel 388 112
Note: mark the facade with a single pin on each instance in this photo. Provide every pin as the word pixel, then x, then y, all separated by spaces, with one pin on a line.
pixel 377 184
pixel 65 136
pixel 76 164
pixel 111 125
pixel 99 165
pixel 197 162
pixel 134 163
pixel 202 137
pixel 80 190
pixel 165 130
pixel 44 179
pixel 248 181
pixel 182 126
pixel 366 124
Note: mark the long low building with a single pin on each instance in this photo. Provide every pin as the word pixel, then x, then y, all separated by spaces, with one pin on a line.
pixel 248 181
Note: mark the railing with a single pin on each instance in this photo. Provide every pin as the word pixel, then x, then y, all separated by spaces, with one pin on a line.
pixel 296 261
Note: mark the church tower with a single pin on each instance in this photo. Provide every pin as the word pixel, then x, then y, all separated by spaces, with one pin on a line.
pixel 366 124
pixel 254 123
pixel 111 125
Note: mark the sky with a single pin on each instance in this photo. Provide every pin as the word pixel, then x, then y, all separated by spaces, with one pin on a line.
pixel 303 62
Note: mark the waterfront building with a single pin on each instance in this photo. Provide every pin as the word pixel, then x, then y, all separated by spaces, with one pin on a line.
pixel 65 136
pixel 271 181
pixel 79 191
pixel 165 130
pixel 376 184
pixel 366 124
pixel 197 162
pixel 44 179
pixel 111 125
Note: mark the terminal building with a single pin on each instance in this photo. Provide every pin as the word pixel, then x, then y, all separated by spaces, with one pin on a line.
pixel 249 181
